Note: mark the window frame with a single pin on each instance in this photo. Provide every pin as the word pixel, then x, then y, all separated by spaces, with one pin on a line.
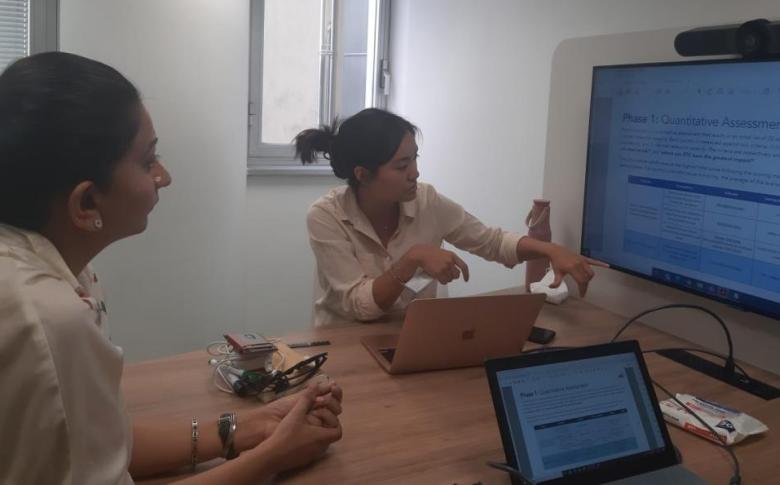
pixel 42 29
pixel 44 26
pixel 279 159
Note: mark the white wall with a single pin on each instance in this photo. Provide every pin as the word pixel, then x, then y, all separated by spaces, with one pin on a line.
pixel 280 265
pixel 182 282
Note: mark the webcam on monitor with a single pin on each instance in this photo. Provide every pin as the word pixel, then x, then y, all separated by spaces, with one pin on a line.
pixel 757 38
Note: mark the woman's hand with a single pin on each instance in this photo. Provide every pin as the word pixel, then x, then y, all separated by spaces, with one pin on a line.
pixel 256 425
pixel 565 262
pixel 442 265
pixel 295 441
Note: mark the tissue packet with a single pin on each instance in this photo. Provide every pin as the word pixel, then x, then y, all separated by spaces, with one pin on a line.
pixel 555 296
pixel 731 425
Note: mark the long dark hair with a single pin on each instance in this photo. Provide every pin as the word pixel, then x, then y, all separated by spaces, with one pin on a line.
pixel 64 119
pixel 367 139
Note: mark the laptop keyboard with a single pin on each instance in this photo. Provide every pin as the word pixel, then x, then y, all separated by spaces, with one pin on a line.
pixel 387 354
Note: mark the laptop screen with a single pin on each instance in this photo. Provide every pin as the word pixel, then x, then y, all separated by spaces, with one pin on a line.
pixel 575 416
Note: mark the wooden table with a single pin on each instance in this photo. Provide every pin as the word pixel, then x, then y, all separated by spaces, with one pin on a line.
pixel 439 427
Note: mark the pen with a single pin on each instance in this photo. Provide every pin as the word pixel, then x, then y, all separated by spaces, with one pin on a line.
pixel 313 343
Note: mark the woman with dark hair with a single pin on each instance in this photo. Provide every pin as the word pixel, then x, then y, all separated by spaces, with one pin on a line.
pixel 78 171
pixel 378 239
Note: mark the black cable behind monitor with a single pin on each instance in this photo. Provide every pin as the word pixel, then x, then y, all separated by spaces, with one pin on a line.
pixel 726 373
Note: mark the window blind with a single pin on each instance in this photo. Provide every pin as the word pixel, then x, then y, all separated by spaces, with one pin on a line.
pixel 14 30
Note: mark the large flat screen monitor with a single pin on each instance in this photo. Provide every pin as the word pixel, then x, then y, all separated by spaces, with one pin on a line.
pixel 683 177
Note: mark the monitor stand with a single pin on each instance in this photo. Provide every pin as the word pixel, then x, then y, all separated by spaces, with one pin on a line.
pixel 752 386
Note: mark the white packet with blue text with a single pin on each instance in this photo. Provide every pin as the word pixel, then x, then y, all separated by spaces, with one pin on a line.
pixel 731 425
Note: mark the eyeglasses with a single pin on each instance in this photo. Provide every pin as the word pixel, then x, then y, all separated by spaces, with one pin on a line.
pixel 280 381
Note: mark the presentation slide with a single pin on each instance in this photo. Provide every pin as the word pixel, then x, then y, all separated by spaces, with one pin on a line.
pixel 568 417
pixel 684 177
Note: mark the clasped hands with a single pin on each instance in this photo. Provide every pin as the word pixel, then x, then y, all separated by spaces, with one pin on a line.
pixel 296 429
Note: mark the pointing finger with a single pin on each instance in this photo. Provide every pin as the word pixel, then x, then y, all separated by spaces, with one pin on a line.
pixel 463 266
pixel 596 262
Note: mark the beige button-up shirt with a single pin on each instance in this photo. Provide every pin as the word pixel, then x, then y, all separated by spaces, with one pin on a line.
pixel 350 255
pixel 62 417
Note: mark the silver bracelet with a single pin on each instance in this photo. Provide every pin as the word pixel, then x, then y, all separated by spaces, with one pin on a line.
pixel 195 435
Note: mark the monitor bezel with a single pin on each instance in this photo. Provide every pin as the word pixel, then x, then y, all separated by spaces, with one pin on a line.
pixel 632 272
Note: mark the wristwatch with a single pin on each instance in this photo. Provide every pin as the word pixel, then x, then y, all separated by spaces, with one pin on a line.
pixel 226 424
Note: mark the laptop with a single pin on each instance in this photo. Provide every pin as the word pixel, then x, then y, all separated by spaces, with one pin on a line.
pixel 444 333
pixel 585 415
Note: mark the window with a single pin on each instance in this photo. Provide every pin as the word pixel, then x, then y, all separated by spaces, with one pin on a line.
pixel 310 61
pixel 26 27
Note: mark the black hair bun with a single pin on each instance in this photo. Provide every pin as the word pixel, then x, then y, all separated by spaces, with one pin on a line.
pixel 309 143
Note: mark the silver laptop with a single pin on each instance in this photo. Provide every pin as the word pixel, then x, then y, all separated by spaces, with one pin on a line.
pixel 584 415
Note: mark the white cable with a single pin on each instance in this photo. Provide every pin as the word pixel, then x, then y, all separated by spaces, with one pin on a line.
pixel 218 372
pixel 280 367
pixel 220 348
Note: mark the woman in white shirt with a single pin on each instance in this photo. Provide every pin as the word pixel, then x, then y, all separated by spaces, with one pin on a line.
pixel 78 171
pixel 371 237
